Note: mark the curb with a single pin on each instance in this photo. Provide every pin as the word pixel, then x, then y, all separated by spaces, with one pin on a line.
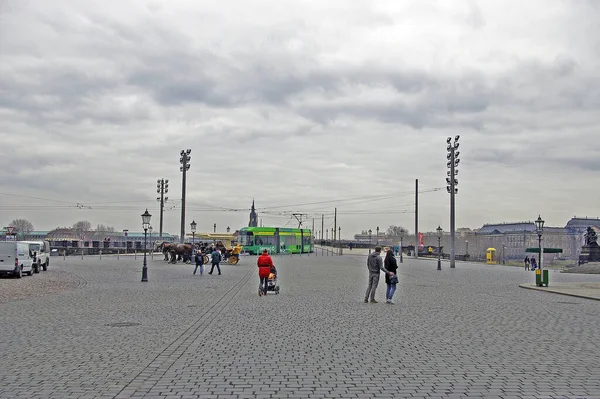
pixel 547 289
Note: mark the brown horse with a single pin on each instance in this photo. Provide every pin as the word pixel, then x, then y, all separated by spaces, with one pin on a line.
pixel 181 251
pixel 165 248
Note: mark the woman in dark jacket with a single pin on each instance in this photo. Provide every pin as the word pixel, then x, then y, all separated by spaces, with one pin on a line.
pixel 391 265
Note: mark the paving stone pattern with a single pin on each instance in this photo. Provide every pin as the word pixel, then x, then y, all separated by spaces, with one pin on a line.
pixel 467 332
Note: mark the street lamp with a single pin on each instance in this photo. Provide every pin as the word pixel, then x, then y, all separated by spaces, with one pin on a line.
pixel 228 229
pixel 145 224
pixel 370 231
pixel 439 237
pixel 452 182
pixel 377 238
pixel 214 228
pixel 340 239
pixel 504 254
pixel 539 227
pixel 193 228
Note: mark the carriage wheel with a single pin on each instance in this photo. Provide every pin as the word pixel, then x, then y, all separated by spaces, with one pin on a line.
pixel 233 260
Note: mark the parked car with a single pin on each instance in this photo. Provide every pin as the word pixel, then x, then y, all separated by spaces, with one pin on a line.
pixel 40 252
pixel 15 259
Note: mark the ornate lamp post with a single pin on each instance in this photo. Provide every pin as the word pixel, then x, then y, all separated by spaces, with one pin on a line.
pixel 145 224
pixel 539 227
pixel 370 231
pixel 228 229
pixel 214 228
pixel 439 237
pixel 193 228
pixel 377 238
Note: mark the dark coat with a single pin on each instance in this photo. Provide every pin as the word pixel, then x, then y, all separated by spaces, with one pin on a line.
pixel 390 265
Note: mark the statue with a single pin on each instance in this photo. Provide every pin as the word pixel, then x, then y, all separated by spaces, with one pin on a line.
pixel 591 238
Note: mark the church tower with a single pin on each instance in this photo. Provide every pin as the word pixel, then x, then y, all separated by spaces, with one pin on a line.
pixel 253 217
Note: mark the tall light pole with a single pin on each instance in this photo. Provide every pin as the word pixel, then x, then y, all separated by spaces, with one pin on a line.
pixel 214 228
pixel 152 245
pixel 452 182
pixel 228 229
pixel 377 237
pixel 340 239
pixel 439 237
pixel 539 227
pixel 162 188
pixel 145 224
pixel 401 238
pixel 184 160
pixel 193 228
pixel 370 231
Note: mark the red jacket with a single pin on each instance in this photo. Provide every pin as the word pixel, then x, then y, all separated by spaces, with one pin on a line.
pixel 264 265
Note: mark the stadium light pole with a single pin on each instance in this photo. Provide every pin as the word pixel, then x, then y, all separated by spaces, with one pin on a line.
pixel 162 188
pixel 452 182
pixel 145 224
pixel 439 237
pixel 185 166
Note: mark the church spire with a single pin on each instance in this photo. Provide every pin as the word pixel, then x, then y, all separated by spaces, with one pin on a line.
pixel 253 216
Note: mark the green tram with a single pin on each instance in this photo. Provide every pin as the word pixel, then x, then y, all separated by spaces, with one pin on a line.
pixel 276 240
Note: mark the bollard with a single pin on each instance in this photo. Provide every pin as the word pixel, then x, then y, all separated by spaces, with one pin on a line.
pixel 152 254
pixel 135 254
pixel 64 253
pixel 118 253
pixel 81 253
pixel 100 254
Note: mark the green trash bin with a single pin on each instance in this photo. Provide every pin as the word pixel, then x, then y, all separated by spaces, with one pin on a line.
pixel 541 278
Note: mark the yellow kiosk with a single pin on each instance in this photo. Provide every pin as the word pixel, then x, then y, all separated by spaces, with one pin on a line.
pixel 490 256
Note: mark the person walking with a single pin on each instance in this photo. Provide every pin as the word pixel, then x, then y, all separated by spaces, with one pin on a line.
pixel 533 263
pixel 265 264
pixel 199 259
pixel 390 264
pixel 215 260
pixel 375 266
pixel 527 263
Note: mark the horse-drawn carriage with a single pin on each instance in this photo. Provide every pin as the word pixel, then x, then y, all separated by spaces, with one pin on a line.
pixel 185 252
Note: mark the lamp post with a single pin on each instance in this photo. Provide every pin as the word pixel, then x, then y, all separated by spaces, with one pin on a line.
pixel 125 232
pixel 452 182
pixel 539 227
pixel 145 224
pixel 340 240
pixel 439 237
pixel 467 251
pixel 504 254
pixel 193 228
pixel 377 238
pixel 370 231
pixel 214 228
pixel 228 229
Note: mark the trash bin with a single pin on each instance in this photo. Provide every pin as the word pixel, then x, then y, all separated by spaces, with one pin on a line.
pixel 541 277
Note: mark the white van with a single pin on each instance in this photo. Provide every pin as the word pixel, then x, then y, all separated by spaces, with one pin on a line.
pixel 15 259
pixel 40 252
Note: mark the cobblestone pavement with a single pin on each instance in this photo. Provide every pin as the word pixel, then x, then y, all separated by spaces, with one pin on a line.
pixel 466 332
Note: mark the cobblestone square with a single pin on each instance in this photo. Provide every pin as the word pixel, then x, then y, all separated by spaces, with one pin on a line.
pixel 90 329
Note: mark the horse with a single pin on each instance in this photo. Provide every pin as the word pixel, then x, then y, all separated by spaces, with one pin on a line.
pixel 183 251
pixel 165 248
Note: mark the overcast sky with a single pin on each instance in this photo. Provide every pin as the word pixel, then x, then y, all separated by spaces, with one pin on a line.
pixel 295 103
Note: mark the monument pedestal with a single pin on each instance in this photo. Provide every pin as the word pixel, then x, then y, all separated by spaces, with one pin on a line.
pixel 589 253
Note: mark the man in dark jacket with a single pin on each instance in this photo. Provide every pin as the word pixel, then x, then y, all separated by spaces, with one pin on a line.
pixel 375 266
pixel 215 260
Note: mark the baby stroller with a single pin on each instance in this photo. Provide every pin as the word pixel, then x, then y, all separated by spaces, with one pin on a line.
pixel 272 283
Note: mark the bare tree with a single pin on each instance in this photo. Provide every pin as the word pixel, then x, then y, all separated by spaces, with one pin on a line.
pixel 22 227
pixel 81 228
pixel 396 231
pixel 105 229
